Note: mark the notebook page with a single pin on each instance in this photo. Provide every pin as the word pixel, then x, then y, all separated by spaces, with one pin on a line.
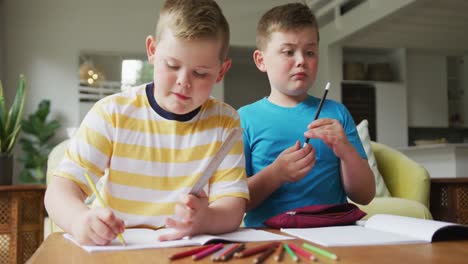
pixel 418 228
pixel 140 238
pixel 348 236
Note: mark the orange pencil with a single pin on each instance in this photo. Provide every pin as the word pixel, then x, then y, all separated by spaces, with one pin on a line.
pixel 230 252
pixel 255 250
pixel 302 252
pixel 279 253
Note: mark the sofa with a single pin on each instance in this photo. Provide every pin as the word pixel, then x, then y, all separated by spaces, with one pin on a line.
pixel 407 181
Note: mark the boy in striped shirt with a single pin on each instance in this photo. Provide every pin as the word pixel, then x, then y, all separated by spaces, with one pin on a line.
pixel 153 141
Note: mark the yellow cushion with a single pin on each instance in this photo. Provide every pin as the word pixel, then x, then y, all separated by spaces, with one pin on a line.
pixel 395 206
pixel 404 177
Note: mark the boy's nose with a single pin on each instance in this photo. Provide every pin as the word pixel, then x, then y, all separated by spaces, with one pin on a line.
pixel 299 60
pixel 183 81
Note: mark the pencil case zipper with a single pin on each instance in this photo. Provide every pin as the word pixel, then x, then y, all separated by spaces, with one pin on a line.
pixel 294 213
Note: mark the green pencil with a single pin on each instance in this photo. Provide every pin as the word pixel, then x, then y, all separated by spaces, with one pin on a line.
pixel 290 252
pixel 320 251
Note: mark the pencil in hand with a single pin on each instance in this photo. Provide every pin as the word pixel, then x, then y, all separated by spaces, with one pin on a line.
pixel 319 109
pixel 101 202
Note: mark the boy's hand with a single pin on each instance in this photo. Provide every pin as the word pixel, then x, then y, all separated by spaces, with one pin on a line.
pixel 294 162
pixel 332 133
pixel 98 226
pixel 190 216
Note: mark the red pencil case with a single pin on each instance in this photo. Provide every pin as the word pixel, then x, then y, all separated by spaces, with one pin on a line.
pixel 317 216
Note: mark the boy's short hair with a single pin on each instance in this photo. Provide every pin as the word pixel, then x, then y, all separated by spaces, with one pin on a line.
pixel 194 19
pixel 286 17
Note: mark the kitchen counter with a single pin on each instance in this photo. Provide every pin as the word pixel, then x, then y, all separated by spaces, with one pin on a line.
pixel 447 160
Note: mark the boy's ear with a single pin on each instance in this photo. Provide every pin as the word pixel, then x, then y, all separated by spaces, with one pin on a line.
pixel 224 68
pixel 150 48
pixel 258 59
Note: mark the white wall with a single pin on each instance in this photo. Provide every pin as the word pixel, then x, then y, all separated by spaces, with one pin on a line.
pixel 427 90
pixel 392 118
pixel 45 37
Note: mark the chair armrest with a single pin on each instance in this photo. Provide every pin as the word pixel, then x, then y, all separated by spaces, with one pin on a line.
pixel 404 177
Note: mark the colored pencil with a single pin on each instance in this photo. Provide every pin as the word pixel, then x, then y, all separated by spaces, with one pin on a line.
pixel 290 253
pixel 320 251
pixel 101 201
pixel 218 253
pixel 279 253
pixel 228 254
pixel 252 251
pixel 187 253
pixel 264 255
pixel 320 105
pixel 302 252
pixel 207 251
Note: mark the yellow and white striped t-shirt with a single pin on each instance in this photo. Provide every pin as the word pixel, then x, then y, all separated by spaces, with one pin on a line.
pixel 149 160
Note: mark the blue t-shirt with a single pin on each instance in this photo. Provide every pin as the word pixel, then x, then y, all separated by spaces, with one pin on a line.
pixel 269 129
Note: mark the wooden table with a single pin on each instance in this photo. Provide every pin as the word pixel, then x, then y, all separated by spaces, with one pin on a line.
pixel 57 249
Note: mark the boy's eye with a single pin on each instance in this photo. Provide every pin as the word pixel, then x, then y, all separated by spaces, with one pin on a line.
pixel 288 52
pixel 310 53
pixel 200 74
pixel 172 66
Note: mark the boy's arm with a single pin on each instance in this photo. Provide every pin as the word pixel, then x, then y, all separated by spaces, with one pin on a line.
pixel 64 201
pixel 224 215
pixel 290 166
pixel 358 179
pixel 194 216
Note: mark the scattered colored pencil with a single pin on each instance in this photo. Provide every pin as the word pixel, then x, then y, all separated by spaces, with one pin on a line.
pixel 230 253
pixel 279 253
pixel 207 251
pixel 264 255
pixel 187 253
pixel 252 251
pixel 302 252
pixel 320 251
pixel 217 255
pixel 290 253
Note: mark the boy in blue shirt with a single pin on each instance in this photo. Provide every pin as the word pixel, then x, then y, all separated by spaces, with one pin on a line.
pixel 282 174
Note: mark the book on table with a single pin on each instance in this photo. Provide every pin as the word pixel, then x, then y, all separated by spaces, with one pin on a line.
pixel 383 229
pixel 140 238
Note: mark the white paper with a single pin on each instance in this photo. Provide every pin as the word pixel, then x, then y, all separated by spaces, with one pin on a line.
pixel 378 230
pixel 140 238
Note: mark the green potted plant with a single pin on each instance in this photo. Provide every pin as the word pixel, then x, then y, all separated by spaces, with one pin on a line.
pixel 10 126
pixel 36 144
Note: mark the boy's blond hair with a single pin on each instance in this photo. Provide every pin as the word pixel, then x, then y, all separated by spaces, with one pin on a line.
pixel 194 19
pixel 286 17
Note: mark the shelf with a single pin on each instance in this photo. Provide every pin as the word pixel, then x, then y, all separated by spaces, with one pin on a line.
pixel 369 82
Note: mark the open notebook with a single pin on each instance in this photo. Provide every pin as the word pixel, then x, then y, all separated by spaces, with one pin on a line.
pixel 383 229
pixel 140 238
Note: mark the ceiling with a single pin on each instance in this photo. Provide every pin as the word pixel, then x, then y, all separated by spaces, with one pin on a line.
pixel 432 25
